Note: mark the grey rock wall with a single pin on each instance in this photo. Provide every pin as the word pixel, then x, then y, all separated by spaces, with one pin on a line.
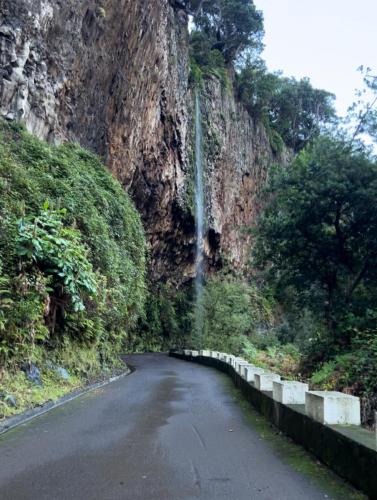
pixel 114 76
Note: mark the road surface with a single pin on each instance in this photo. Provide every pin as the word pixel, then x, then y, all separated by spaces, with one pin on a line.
pixel 171 430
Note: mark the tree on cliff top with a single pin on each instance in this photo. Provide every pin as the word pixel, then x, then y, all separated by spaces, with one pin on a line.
pixel 231 26
pixel 293 108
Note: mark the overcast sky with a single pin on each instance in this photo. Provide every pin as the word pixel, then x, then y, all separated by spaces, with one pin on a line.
pixel 326 40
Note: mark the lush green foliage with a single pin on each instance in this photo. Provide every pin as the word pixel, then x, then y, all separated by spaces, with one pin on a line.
pixel 72 251
pixel 206 61
pixel 257 87
pixel 353 370
pixel 44 242
pixel 274 356
pixel 228 33
pixel 229 26
pixel 168 318
pixel 298 111
pixel 293 109
pixel 233 311
pixel 225 31
pixel 316 243
pixel 319 232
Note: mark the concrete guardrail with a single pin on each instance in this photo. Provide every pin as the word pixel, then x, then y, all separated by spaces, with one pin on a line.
pixel 326 423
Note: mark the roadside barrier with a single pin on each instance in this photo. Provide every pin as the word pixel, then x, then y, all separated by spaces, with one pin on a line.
pixel 326 423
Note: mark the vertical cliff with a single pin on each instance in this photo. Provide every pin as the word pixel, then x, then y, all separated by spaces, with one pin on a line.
pixel 238 155
pixel 114 76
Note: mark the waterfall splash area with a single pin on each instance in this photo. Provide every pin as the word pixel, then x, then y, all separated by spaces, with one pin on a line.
pixel 199 219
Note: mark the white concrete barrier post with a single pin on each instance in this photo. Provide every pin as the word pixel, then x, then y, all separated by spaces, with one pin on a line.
pixel 236 361
pixel 250 372
pixel 289 392
pixel 240 365
pixel 333 408
pixel 194 354
pixel 229 359
pixel 233 360
pixel 243 369
pixel 205 353
pixel 264 381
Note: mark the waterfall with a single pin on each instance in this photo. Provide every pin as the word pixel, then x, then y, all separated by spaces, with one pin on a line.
pixel 199 218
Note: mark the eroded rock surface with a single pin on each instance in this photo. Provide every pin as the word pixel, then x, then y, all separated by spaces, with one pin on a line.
pixel 114 76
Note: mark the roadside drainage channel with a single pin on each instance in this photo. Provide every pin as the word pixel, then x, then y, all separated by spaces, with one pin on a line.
pixel 349 450
pixel 23 418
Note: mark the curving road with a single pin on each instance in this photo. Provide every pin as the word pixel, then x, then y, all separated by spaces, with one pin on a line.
pixel 171 430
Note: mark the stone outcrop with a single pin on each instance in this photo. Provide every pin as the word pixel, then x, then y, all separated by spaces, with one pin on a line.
pixel 114 76
pixel 237 156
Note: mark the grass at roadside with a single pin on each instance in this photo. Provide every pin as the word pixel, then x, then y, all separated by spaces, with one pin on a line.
pixel 20 394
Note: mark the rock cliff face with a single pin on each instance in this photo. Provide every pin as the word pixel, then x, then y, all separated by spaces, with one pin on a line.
pixel 114 76
pixel 237 156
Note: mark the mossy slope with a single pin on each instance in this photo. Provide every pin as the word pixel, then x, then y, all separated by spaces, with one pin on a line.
pixel 101 219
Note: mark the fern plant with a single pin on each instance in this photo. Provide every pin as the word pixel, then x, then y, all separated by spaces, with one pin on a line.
pixel 58 252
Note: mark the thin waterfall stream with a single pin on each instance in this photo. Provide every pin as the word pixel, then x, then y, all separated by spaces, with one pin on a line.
pixel 199 218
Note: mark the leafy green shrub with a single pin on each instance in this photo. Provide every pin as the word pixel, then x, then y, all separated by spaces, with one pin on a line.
pixel 353 371
pixel 167 320
pixel 58 251
pixel 293 111
pixel 276 141
pixel 206 61
pixel 325 376
pixel 318 233
pixel 233 310
pixel 232 27
pixel 284 359
pixel 363 368
pixel 72 250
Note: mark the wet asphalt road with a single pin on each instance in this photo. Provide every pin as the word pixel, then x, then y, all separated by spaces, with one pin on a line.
pixel 161 433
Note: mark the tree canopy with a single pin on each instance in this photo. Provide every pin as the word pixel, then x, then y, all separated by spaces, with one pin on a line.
pixel 230 26
pixel 229 33
pixel 319 230
pixel 293 108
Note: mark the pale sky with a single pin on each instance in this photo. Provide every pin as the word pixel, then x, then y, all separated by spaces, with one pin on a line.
pixel 325 40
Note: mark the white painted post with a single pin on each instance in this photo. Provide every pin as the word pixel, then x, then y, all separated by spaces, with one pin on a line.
pixel 251 371
pixel 243 369
pixel 236 361
pixel 289 392
pixel 333 408
pixel 229 359
pixel 240 365
pixel 205 353
pixel 264 381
